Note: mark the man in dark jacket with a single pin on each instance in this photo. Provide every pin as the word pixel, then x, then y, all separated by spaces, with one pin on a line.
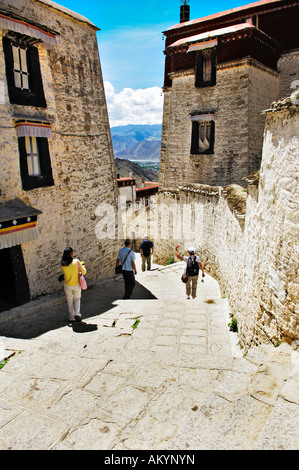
pixel 146 251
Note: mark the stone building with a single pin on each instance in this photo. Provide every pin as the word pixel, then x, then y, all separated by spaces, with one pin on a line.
pixel 145 194
pixel 56 154
pixel 221 72
pixel 127 189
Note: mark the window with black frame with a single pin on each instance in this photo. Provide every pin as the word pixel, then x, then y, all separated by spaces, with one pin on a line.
pixel 23 74
pixel 35 162
pixel 203 137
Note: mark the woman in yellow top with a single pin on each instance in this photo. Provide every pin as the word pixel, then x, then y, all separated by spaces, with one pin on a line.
pixel 72 288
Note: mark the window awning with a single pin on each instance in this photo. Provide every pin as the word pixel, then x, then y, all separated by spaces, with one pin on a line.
pixel 212 35
pixel 203 45
pixel 18 223
pixel 23 27
pixel 202 117
pixel 33 129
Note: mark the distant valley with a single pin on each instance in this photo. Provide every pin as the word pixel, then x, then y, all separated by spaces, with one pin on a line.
pixel 137 142
pixel 137 151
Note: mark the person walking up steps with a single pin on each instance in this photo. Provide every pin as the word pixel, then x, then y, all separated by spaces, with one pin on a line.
pixel 70 268
pixel 193 264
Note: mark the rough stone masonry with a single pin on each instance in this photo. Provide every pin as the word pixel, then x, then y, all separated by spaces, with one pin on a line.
pixel 80 148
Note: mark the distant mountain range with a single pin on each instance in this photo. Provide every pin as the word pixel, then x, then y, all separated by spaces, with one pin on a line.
pixel 145 150
pixel 137 142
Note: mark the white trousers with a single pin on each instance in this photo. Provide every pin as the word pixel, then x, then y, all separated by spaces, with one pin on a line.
pixel 73 298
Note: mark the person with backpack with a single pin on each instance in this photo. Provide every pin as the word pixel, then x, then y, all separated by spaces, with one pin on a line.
pixel 146 251
pixel 193 264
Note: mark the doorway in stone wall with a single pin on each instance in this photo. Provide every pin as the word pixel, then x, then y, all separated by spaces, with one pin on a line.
pixel 14 287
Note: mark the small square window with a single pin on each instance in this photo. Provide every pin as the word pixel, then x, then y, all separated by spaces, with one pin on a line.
pixel 203 136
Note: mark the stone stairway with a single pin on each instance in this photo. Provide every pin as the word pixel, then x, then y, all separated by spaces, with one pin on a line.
pixel 158 372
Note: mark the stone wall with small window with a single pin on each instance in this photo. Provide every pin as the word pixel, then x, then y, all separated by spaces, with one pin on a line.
pixel 55 145
pixel 230 147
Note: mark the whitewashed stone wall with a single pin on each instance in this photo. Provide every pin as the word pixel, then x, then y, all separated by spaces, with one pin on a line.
pixel 249 241
pixel 81 149
pixel 274 273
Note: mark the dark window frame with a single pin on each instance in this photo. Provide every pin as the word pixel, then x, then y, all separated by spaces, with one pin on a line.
pixel 195 150
pixel 35 96
pixel 199 68
pixel 46 177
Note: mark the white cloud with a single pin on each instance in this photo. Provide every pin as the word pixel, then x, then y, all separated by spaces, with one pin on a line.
pixel 142 106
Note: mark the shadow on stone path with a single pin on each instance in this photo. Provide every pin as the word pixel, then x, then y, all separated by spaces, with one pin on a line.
pixel 157 372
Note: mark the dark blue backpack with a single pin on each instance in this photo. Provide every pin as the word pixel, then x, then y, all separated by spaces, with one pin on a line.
pixel 192 266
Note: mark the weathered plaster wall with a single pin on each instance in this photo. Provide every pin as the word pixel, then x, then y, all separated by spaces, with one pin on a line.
pixel 249 241
pixel 274 281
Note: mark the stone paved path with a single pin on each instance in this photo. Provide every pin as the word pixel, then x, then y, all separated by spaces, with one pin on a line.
pixel 158 372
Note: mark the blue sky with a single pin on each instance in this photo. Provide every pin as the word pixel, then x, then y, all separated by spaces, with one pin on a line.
pixel 131 50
